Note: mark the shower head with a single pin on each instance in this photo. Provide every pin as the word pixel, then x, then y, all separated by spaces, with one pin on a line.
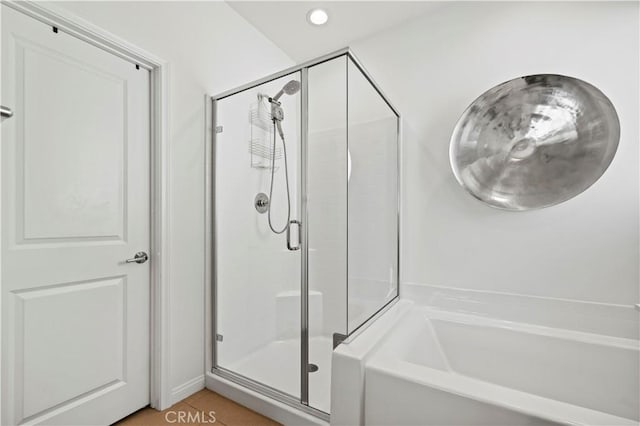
pixel 291 88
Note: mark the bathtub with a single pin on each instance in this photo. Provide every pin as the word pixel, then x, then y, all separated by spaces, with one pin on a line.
pixel 438 367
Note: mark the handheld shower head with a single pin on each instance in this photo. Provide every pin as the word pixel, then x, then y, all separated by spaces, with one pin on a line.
pixel 291 88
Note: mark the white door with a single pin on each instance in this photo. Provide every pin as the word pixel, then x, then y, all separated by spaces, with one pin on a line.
pixel 75 205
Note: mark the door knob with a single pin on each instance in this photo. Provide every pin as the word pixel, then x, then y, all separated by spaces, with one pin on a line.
pixel 5 111
pixel 140 257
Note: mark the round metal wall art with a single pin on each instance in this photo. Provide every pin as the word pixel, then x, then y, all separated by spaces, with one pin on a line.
pixel 534 141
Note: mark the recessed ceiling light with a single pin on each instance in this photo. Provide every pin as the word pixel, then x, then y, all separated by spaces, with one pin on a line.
pixel 317 16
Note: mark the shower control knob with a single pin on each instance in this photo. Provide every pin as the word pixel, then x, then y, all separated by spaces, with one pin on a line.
pixel 261 202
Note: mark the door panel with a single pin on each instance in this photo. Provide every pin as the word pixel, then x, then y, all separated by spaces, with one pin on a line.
pixel 47 329
pixel 75 205
pixel 92 207
pixel 258 278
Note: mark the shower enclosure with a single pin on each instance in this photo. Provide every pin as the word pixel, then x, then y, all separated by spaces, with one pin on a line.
pixel 311 152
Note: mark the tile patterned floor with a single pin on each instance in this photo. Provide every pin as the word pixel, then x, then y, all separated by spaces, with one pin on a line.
pixel 201 408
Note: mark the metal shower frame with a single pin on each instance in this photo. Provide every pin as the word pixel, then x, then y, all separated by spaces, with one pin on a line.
pixel 303 402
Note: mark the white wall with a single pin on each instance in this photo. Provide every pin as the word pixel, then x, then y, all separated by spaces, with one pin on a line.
pixel 210 48
pixel 432 68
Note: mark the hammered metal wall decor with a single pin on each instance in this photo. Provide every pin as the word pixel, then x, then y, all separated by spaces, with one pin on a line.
pixel 534 141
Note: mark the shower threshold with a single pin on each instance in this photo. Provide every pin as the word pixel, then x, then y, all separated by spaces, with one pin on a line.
pixel 259 366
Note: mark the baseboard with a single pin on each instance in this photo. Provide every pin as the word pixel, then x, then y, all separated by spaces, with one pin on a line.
pixel 268 407
pixel 186 389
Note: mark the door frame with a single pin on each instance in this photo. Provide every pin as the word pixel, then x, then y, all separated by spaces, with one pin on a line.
pixel 51 14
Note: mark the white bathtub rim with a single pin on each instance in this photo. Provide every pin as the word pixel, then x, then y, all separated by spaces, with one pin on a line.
pixel 504 397
pixel 619 320
pixel 445 288
pixel 366 341
pixel 540 330
pixel 390 358
pixel 349 360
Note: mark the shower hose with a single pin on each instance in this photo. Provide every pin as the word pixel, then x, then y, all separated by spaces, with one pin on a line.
pixel 286 177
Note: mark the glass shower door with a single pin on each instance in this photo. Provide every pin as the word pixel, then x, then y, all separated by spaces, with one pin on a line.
pixel 258 278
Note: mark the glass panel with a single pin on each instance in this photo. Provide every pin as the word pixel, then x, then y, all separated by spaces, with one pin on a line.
pixel 327 220
pixel 373 192
pixel 258 279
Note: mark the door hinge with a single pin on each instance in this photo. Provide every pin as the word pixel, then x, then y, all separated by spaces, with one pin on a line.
pixel 219 338
pixel 218 129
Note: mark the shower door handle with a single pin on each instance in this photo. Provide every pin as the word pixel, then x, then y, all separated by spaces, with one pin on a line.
pixel 289 246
